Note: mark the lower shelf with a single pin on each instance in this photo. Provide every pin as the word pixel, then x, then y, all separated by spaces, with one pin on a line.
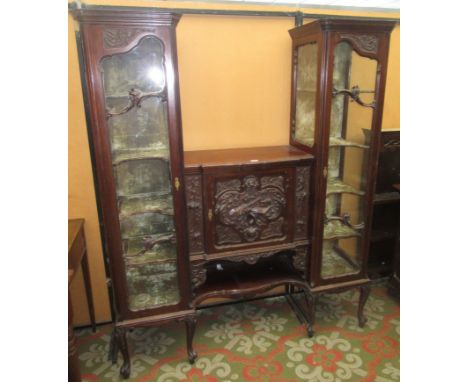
pixel 336 264
pixel 152 285
pixel 237 279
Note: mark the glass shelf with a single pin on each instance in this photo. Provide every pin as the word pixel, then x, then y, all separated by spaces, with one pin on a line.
pixel 340 142
pixel 336 229
pixel 152 285
pixel 150 248
pixel 146 203
pixel 336 186
pixel 335 263
pixel 136 154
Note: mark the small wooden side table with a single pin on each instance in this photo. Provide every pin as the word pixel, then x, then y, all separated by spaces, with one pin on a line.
pixel 77 255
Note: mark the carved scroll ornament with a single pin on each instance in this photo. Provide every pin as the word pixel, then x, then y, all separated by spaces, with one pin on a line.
pixel 254 211
pixel 135 98
pixel 366 43
pixel 119 37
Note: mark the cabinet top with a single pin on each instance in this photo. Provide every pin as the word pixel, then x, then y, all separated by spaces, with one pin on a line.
pixel 343 24
pixel 242 156
pixel 90 14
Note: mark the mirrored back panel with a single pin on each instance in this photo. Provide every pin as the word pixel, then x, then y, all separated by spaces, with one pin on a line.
pixel 352 108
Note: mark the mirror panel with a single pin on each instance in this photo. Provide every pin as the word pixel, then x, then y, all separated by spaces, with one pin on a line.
pixel 306 91
pixel 354 79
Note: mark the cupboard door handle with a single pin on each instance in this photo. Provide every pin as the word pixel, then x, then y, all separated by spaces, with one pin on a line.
pixel 325 171
pixel 176 183
pixel 210 214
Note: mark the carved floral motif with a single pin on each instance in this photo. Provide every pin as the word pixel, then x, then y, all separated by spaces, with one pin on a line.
pixel 251 210
pixel 366 43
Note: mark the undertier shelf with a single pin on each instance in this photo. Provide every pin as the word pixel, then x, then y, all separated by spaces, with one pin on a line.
pixel 336 263
pixel 238 279
pixel 120 156
pixel 340 142
pixel 336 186
pixel 335 229
pixel 147 203
pixel 152 285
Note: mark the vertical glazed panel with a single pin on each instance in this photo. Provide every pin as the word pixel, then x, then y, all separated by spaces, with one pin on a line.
pixel 352 109
pixel 306 90
pixel 135 99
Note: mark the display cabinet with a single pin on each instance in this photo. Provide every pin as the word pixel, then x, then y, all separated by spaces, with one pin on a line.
pixel 130 67
pixel 338 81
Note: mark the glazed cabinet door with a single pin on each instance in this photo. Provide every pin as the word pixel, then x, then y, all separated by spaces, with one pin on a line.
pixel 349 172
pixel 138 150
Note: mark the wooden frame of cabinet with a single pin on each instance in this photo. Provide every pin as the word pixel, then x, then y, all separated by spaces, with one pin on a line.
pixel 295 258
pixel 108 33
pixel 368 39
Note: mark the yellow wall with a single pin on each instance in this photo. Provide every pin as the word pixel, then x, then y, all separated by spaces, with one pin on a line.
pixel 235 92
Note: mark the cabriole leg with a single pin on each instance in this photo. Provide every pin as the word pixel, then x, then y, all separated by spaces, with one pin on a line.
pixel 310 302
pixel 121 335
pixel 363 296
pixel 190 323
pixel 113 347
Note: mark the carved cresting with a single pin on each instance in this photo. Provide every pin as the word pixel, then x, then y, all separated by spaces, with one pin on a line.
pixel 366 43
pixel 302 202
pixel 119 37
pixel 250 209
pixel 193 190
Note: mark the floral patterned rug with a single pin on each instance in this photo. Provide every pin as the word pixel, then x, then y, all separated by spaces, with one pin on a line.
pixel 261 341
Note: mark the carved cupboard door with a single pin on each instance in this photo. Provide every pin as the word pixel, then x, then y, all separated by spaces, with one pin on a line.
pixel 131 73
pixel 246 209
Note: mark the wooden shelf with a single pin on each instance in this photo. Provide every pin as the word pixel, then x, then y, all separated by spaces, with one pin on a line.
pixel 335 263
pixel 386 197
pixel 336 186
pixel 237 279
pixel 120 156
pixel 335 229
pixel 147 203
pixel 340 142
pixel 380 235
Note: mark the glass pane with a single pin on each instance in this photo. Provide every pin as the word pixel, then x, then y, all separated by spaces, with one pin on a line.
pixel 352 109
pixel 306 88
pixel 134 89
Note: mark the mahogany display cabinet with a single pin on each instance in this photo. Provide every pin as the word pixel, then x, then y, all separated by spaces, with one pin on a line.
pixel 132 93
pixel 180 229
pixel 339 69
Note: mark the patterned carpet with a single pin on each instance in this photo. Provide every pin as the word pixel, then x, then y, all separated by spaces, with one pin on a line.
pixel 261 341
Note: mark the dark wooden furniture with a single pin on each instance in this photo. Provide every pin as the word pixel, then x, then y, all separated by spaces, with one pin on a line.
pixel 248 220
pixel 339 69
pixel 130 67
pixel 386 209
pixel 77 256
pixel 394 282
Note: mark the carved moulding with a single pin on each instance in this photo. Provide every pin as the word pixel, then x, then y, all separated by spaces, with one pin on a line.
pixel 249 208
pixel 301 202
pixel 193 190
pixel 119 37
pixel 366 43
